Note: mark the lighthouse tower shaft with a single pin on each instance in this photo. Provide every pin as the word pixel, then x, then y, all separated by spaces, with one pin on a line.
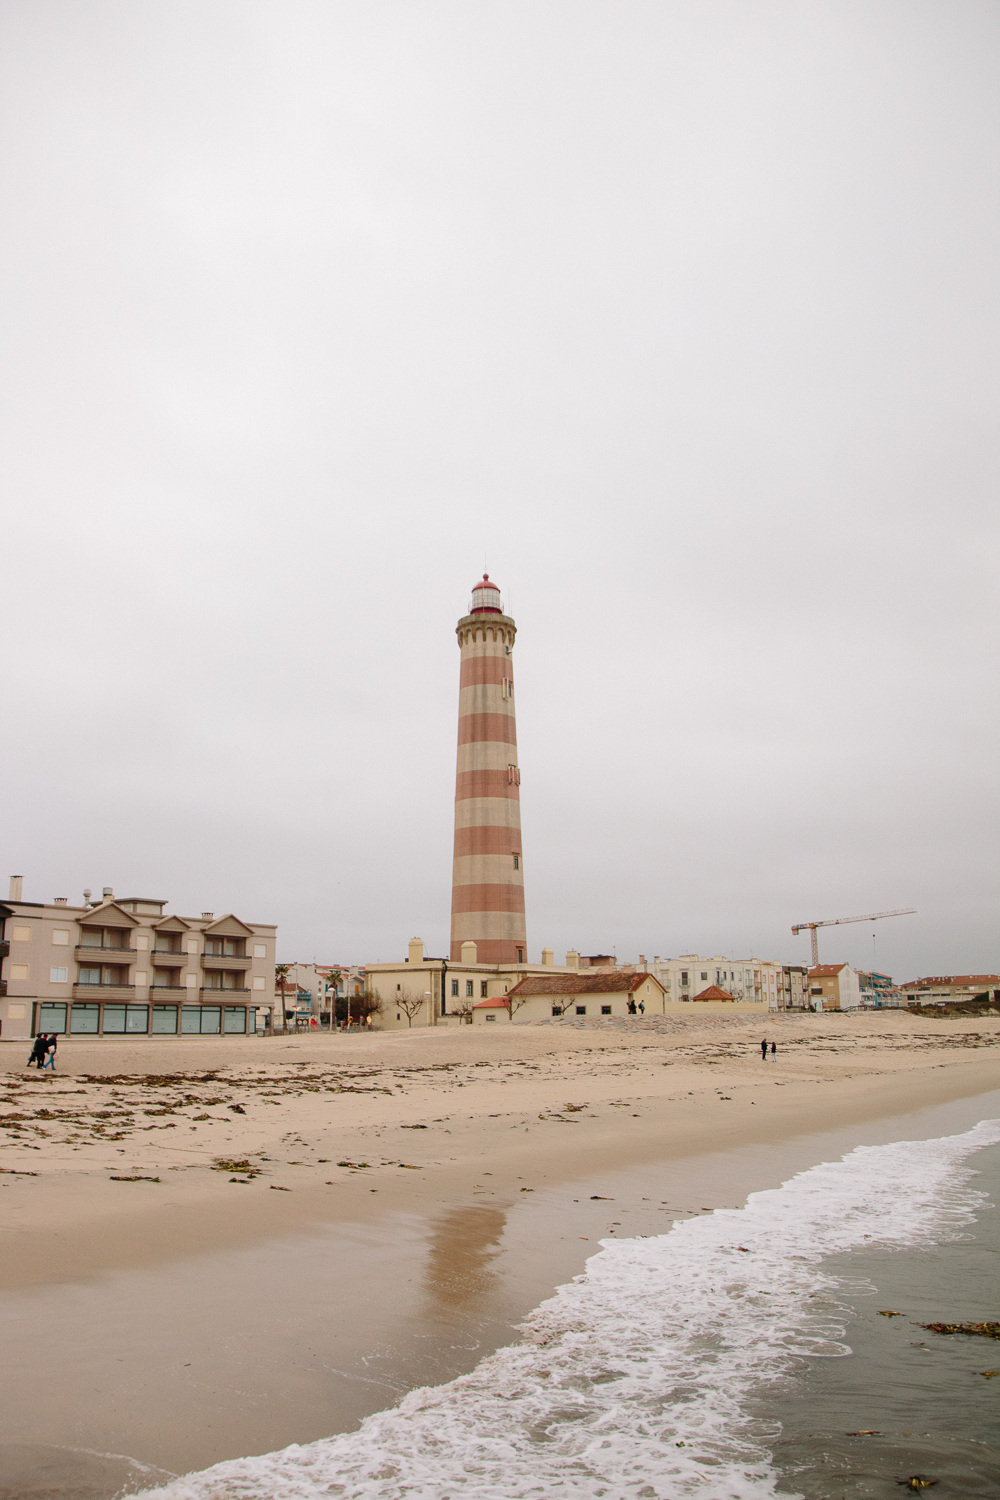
pixel 487 901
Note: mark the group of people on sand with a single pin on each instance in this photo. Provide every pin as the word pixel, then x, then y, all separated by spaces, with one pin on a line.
pixel 763 1049
pixel 44 1051
pixel 631 1007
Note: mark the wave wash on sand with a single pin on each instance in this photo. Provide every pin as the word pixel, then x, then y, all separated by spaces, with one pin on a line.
pixel 633 1379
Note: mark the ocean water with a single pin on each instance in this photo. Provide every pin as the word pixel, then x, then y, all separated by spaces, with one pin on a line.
pixel 697 1362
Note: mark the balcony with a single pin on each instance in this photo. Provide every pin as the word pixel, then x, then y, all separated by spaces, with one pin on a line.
pixel 104 992
pixel 3 988
pixel 168 991
pixel 104 954
pixel 216 961
pixel 165 958
pixel 4 947
pixel 220 995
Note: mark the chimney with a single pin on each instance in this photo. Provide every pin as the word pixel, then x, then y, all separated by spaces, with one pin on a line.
pixel 416 951
pixel 208 914
pixel 60 900
pixel 469 952
pixel 642 959
pixel 16 882
pixel 572 959
pixel 109 894
pixel 547 956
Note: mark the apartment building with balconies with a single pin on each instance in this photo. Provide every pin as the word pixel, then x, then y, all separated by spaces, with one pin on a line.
pixel 120 968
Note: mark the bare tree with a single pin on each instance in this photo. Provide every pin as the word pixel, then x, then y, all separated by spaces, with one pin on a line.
pixel 514 1003
pixel 410 1005
pixel 369 1003
pixel 463 1009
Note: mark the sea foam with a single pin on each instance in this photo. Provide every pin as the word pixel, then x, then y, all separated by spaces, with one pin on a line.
pixel 634 1379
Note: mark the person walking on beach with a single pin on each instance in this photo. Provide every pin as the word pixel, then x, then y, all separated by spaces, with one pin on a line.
pixel 38 1050
pixel 763 1049
pixel 642 1007
pixel 51 1043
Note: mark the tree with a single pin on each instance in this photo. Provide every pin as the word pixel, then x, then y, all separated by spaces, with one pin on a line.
pixel 514 1002
pixel 410 1005
pixel 369 1003
pixel 281 980
pixel 463 1009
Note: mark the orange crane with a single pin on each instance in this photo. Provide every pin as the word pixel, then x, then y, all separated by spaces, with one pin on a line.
pixel 810 927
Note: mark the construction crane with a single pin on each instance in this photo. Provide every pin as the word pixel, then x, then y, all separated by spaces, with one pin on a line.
pixel 810 927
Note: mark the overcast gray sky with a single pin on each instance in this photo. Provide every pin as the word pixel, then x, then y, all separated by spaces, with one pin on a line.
pixel 683 316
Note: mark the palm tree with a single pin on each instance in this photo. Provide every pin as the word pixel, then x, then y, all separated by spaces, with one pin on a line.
pixel 281 977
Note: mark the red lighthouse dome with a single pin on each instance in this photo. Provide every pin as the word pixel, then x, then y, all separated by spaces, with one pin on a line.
pixel 486 598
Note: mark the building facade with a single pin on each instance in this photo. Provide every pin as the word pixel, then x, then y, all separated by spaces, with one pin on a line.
pixel 750 981
pixel 487 903
pixel 122 968
pixel 834 987
pixel 596 992
pixel 942 988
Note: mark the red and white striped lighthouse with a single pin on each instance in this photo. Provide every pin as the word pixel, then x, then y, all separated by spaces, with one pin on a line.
pixel 487 894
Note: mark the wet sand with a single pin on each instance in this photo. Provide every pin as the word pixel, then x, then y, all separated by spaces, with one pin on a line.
pixel 199 1317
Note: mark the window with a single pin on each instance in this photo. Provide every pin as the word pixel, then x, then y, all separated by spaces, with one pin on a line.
pixel 235 1020
pixel 57 976
pixel 483 988
pixel 211 1019
pixel 517 861
pixel 60 937
pixel 470 989
pixel 704 973
pixel 19 971
pixel 191 981
pixel 684 976
pixel 192 945
pixel 21 935
pixel 260 950
pixel 490 1018
pixel 581 1010
pixel 142 943
pixel 83 1019
pixel 258 983
pixel 454 988
pixel 520 955
pixel 605 1010
pixel 90 976
pixel 51 1017
pixel 164 1020
pixel 557 1010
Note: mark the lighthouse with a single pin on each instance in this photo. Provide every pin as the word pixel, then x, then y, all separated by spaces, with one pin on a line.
pixel 487 894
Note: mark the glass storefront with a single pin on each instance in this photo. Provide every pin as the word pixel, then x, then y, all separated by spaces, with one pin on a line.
pixel 236 1018
pixel 51 1017
pixel 164 1020
pixel 126 1018
pixel 83 1019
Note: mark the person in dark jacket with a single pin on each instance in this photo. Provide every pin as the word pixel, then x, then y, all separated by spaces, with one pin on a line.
pixel 51 1043
pixel 763 1049
pixel 38 1050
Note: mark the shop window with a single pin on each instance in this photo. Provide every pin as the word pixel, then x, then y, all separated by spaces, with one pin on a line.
pixel 51 1017
pixel 83 1020
pixel 211 1019
pixel 164 1020
pixel 236 1019
pixel 190 1018
pixel 114 1018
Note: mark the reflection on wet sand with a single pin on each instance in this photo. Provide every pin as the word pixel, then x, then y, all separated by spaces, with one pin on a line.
pixel 463 1244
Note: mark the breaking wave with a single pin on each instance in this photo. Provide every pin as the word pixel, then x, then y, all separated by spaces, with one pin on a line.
pixel 634 1379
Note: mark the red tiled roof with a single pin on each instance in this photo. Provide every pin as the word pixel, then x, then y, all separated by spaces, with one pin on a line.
pixel 593 982
pixel 826 971
pixel 967 979
pixel 714 993
pixel 497 1001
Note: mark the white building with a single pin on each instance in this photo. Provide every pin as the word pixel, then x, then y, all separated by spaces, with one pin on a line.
pixel 750 980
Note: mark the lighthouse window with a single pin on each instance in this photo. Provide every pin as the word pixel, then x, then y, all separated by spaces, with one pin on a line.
pixel 520 955
pixel 483 990
pixel 469 989
pixel 454 988
pixel 517 861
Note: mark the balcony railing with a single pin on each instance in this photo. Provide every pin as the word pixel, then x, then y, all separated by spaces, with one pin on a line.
pixel 103 991
pixel 225 961
pixel 220 994
pixel 4 947
pixel 164 958
pixel 170 990
pixel 91 950
pixel 3 987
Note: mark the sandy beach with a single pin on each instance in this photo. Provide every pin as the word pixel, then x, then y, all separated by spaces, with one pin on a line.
pixel 216 1248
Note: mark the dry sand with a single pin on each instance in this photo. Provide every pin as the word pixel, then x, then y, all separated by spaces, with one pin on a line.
pixel 335 1219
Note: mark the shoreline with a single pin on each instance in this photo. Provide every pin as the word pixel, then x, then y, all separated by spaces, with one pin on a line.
pixel 362 1281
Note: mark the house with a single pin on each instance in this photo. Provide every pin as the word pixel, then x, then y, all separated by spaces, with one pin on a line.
pixel 834 987
pixel 941 988
pixel 601 991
